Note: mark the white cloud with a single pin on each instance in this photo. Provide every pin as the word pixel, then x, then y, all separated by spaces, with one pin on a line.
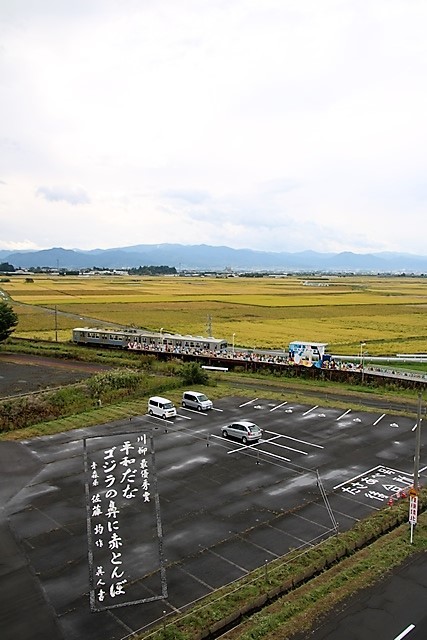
pixel 72 195
pixel 265 124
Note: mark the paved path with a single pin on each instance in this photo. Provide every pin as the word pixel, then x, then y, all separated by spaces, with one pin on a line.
pixel 394 608
pixel 24 611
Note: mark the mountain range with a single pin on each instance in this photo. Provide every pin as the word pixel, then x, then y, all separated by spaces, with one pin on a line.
pixel 214 258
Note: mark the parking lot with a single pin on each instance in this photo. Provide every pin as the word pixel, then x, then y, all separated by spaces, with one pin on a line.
pixel 219 509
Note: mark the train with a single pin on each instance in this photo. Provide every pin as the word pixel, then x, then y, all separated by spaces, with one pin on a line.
pixel 138 339
pixel 303 359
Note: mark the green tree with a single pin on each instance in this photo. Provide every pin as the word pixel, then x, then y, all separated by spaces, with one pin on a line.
pixel 192 373
pixel 8 320
pixel 5 267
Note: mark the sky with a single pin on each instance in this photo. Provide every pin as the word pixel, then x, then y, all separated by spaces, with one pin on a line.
pixel 275 125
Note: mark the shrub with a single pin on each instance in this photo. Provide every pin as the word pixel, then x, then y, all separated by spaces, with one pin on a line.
pixel 192 373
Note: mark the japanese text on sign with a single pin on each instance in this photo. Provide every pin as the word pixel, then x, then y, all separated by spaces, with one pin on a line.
pixel 120 490
pixel 413 509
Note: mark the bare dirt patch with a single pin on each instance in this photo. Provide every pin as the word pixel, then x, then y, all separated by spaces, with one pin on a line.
pixel 21 374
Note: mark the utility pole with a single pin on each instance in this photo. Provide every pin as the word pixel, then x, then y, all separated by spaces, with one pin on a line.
pixel 417 446
pixel 413 492
pixel 56 324
pixel 209 326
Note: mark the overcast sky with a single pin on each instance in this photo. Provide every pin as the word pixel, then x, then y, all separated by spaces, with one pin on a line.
pixel 278 125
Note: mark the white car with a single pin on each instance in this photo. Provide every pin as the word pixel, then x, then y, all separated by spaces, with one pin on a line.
pixel 196 400
pixel 242 430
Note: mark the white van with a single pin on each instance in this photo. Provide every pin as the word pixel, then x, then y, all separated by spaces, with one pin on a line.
pixel 196 400
pixel 162 407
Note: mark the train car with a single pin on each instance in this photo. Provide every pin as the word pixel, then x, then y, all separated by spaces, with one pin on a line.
pixel 307 353
pixel 137 339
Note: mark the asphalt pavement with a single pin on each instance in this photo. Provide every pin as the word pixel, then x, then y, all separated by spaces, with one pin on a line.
pixel 223 509
pixel 393 609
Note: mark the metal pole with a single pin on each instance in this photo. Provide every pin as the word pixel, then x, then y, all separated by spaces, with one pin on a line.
pixel 362 344
pixel 417 446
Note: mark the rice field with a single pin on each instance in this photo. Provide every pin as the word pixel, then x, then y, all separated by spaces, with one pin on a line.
pixel 389 314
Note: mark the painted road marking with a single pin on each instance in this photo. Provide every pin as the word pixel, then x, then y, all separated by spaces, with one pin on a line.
pixel 246 403
pixel 278 406
pixel 344 414
pixel 218 555
pixel 365 473
pixel 250 446
pixel 378 484
pixel 200 413
pixel 283 446
pixel 378 420
pixel 311 444
pixel 310 410
pixel 159 418
pixel 405 632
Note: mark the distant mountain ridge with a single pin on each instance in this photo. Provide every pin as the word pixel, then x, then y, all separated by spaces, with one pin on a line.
pixel 206 257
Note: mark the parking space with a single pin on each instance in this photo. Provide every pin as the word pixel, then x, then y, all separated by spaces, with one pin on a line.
pixel 226 508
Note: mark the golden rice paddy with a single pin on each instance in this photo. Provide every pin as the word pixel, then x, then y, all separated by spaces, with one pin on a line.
pixel 389 314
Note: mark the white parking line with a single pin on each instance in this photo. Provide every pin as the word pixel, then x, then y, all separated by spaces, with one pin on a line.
pixel 280 435
pixel 273 455
pixel 283 446
pixel 365 473
pixel 278 406
pixel 185 417
pixel 159 418
pixel 200 413
pixel 215 409
pixel 310 410
pixel 343 414
pixel 378 420
pixel 252 446
pixel 405 632
pixel 246 403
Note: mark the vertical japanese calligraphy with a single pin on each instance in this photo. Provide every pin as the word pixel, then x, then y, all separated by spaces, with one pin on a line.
pixel 123 521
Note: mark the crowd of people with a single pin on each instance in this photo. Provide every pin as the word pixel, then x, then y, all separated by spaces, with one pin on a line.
pixel 284 358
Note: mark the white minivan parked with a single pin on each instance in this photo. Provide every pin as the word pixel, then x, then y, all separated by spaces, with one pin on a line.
pixel 196 400
pixel 161 407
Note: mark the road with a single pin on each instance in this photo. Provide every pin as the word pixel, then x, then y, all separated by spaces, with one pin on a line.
pixel 393 609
